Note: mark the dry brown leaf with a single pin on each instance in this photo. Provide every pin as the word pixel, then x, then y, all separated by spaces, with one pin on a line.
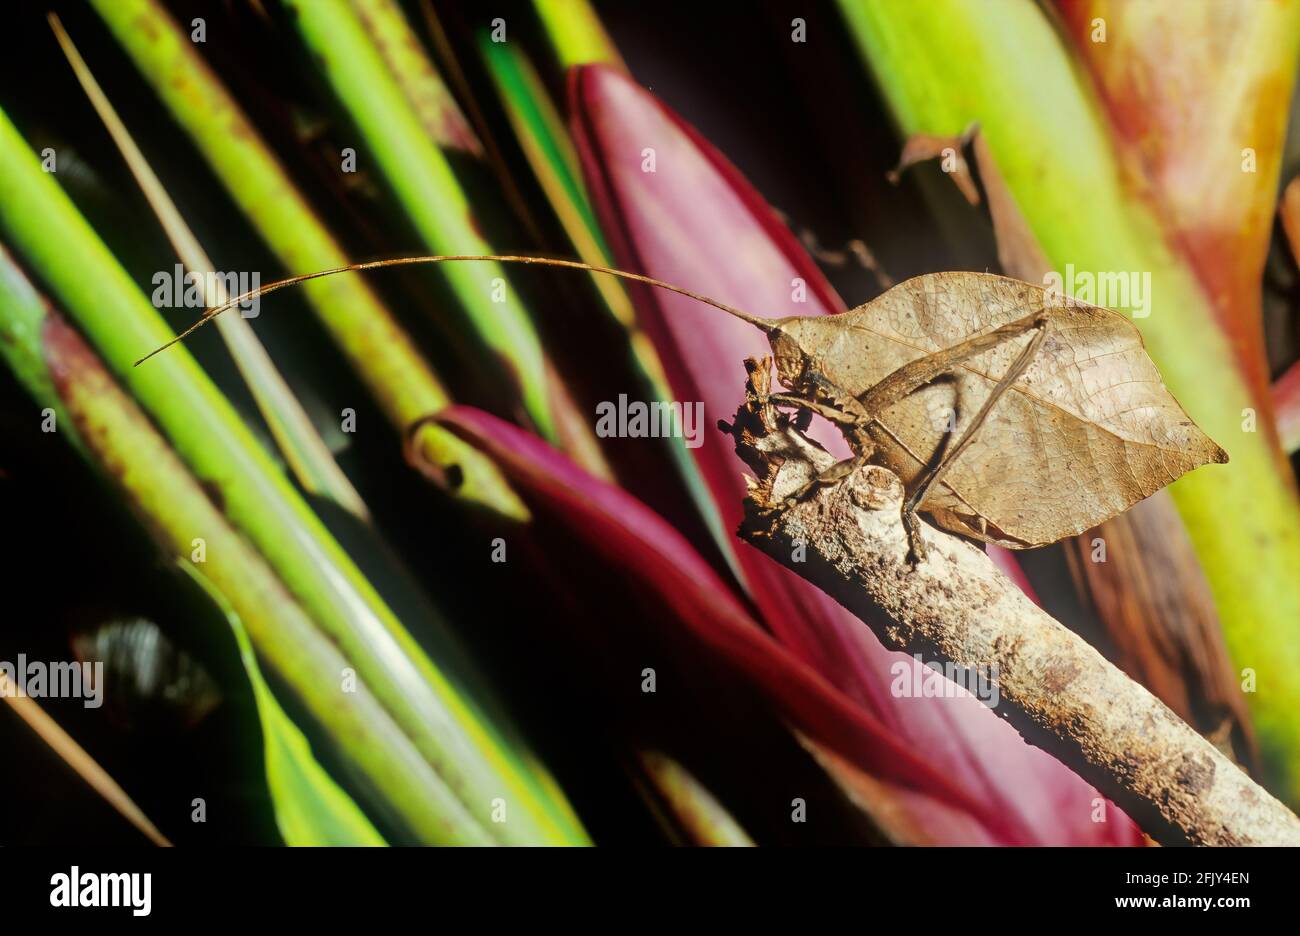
pixel 1018 251
pixel 1087 431
pixel 950 151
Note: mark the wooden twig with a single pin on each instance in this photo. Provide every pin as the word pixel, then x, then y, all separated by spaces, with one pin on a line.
pixel 955 607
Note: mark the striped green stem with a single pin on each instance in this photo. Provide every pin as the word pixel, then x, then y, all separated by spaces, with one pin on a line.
pixel 304 450
pixel 379 349
pixel 429 192
pixel 576 33
pixel 258 499
pixel 409 64
pixel 93 413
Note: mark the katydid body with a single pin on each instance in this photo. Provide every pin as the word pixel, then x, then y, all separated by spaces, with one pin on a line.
pixel 1005 412
pixel 859 413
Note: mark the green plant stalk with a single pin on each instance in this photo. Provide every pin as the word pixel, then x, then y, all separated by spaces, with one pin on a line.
pixel 208 434
pixel 424 88
pixel 428 190
pixel 94 414
pixel 943 65
pixel 379 350
pixel 576 33
pixel 295 435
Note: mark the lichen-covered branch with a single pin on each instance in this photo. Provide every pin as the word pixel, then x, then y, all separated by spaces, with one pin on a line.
pixel 955 607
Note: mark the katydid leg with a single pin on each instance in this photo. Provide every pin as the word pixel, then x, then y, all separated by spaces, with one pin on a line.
pixel 936 473
pixel 911 377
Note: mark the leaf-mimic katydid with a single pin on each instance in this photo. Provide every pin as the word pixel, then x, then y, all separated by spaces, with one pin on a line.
pixel 1011 414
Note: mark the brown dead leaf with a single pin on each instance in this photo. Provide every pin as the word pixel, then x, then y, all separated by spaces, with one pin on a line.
pixel 1018 251
pixel 1086 432
pixel 951 153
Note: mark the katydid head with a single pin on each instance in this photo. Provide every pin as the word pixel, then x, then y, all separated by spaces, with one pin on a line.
pixel 799 347
pixel 791 360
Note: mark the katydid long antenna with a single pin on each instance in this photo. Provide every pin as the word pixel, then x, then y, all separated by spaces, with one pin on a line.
pixel 768 326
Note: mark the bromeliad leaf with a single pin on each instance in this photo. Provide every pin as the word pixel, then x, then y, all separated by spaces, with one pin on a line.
pixel 1088 429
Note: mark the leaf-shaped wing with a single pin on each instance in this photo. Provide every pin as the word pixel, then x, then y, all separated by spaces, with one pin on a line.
pixel 1087 431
